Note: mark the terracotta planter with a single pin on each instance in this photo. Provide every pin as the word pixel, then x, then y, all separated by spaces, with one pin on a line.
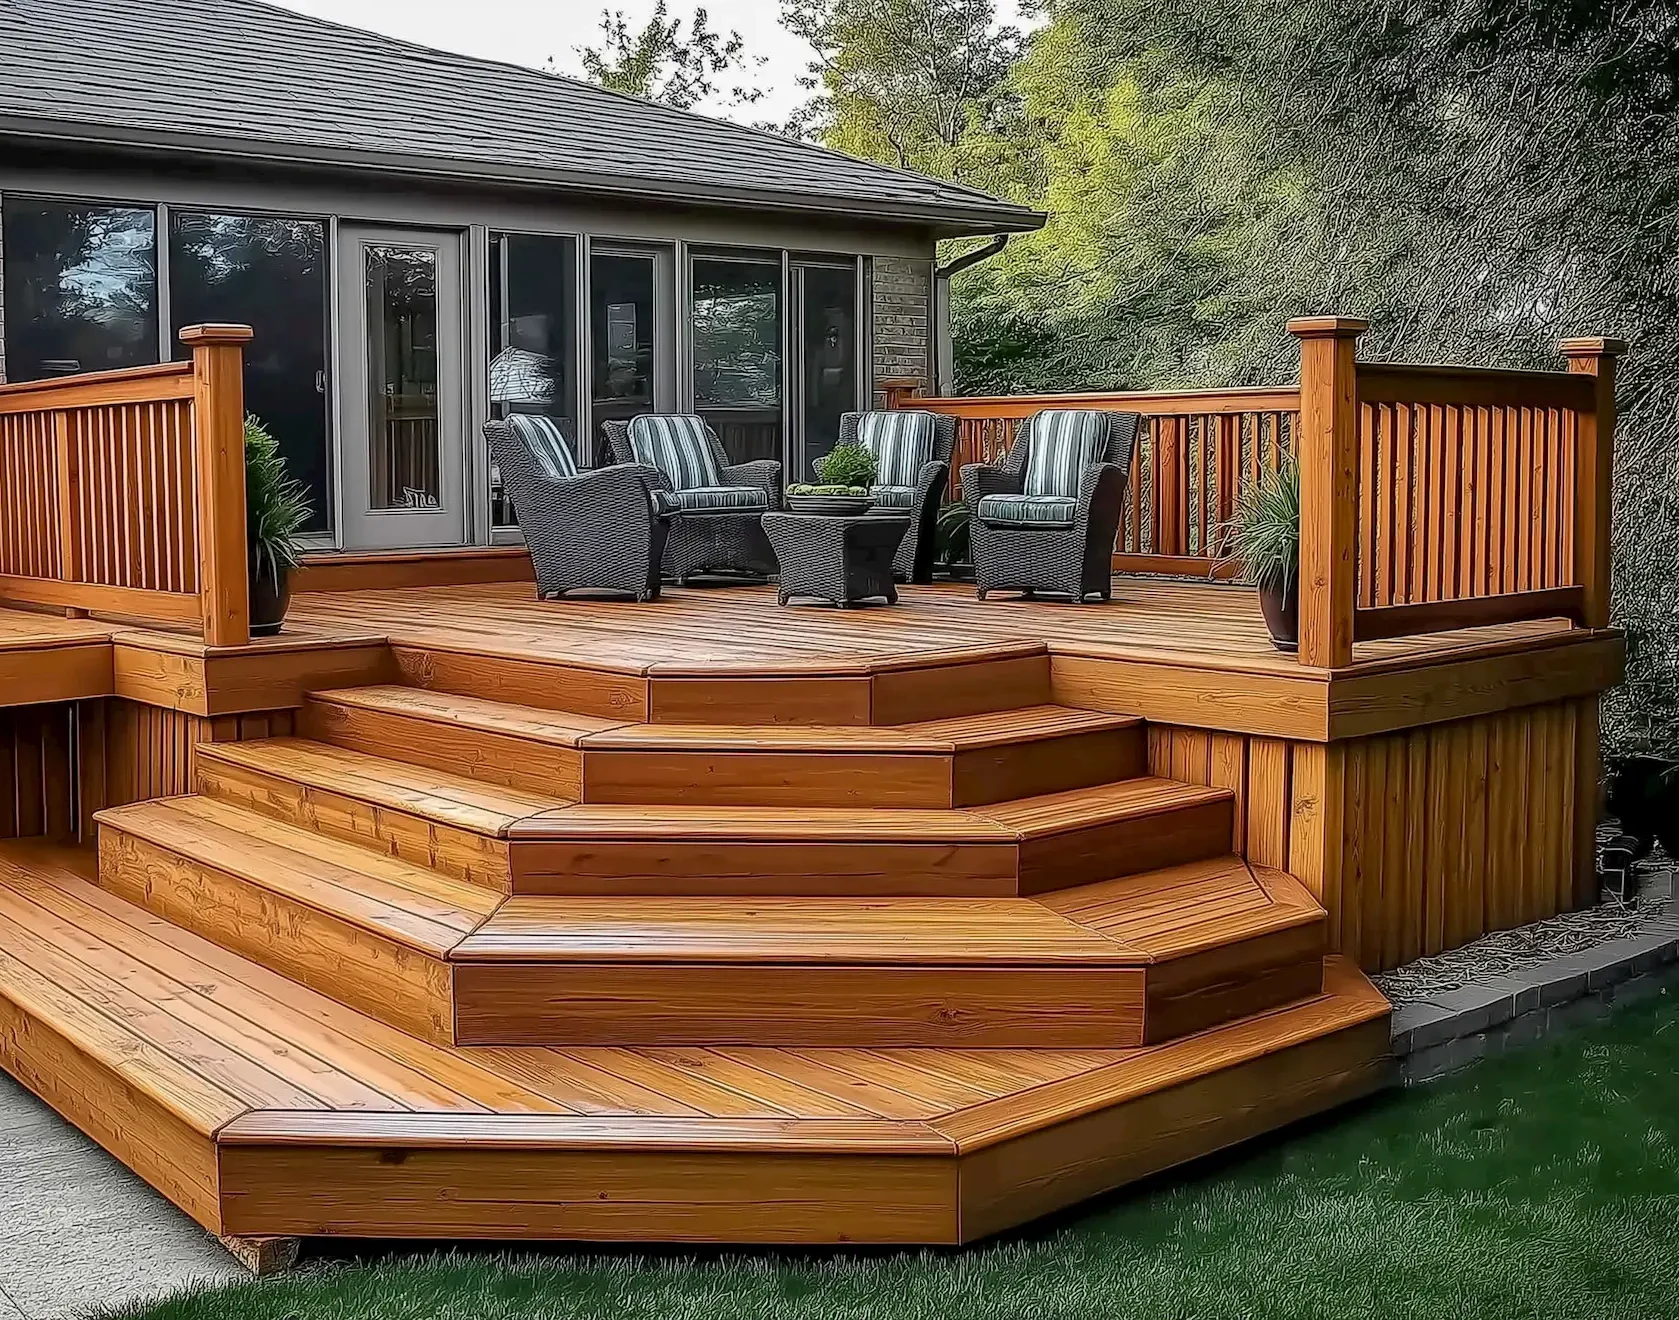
pixel 269 600
pixel 1282 615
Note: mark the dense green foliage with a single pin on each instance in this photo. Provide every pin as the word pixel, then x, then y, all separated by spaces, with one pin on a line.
pixel 1541 1185
pixel 276 505
pixel 1478 177
pixel 659 61
pixel 1265 533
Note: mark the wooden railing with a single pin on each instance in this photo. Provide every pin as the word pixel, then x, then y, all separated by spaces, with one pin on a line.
pixel 1197 451
pixel 1432 497
pixel 123 492
pixel 1440 497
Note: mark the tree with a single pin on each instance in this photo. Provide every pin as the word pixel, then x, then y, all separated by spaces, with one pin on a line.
pixel 915 83
pixel 659 62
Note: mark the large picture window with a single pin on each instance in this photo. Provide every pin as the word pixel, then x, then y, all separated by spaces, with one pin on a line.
pixel 269 273
pixel 737 353
pixel 80 287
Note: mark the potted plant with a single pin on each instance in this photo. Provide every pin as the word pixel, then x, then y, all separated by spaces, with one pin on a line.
pixel 844 478
pixel 276 510
pixel 953 541
pixel 1264 540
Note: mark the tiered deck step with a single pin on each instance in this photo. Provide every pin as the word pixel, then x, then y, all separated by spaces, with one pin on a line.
pixel 262 1107
pixel 449 960
pixel 962 761
pixel 531 843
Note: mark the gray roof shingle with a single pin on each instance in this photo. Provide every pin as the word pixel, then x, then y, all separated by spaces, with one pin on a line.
pixel 243 78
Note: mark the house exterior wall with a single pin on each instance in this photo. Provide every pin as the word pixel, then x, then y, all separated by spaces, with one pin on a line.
pixel 901 311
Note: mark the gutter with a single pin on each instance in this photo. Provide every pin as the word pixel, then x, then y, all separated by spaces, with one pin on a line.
pixel 944 354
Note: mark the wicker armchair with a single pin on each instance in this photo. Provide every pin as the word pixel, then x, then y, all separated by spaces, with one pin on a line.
pixel 914 560
pixel 1049 525
pixel 585 528
pixel 715 527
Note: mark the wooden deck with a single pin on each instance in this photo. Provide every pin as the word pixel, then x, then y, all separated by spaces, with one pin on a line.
pixel 452 913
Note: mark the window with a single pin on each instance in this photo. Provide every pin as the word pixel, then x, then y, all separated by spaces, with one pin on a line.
pixel 622 333
pixel 826 354
pixel 737 353
pixel 269 273
pixel 80 287
pixel 533 357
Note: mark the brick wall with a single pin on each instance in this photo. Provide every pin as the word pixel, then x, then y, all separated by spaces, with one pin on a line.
pixel 902 317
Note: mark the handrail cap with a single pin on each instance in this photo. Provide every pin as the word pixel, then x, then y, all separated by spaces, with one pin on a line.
pixel 1592 346
pixel 217 334
pixel 1328 327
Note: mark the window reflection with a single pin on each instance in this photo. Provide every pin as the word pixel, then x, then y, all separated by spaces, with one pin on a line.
pixel 403 429
pixel 80 287
pixel 621 312
pixel 267 272
pixel 828 312
pixel 737 353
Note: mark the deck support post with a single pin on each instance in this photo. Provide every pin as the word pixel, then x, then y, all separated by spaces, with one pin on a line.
pixel 1594 491
pixel 1328 456
pixel 219 480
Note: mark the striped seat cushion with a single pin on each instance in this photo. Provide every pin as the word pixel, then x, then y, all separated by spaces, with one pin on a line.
pixel 547 442
pixel 1065 441
pixel 901 442
pixel 679 446
pixel 1027 510
pixel 710 499
pixel 893 497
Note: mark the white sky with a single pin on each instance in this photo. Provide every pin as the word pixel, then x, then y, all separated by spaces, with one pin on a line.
pixel 533 31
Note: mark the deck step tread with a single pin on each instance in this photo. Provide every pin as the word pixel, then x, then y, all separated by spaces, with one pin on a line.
pixel 467 804
pixel 558 728
pixel 918 932
pixel 408 904
pixel 933 737
pixel 1055 813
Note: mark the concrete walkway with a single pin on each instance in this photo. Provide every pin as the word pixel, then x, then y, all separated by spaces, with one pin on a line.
pixel 78 1231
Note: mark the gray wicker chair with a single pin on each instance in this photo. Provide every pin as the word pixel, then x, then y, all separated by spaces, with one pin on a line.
pixel 713 539
pixel 591 528
pixel 1050 526
pixel 914 560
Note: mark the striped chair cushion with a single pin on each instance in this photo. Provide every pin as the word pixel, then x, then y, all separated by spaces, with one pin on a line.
pixel 679 446
pixel 1065 441
pixel 1027 510
pixel 547 443
pixel 893 497
pixel 709 499
pixel 901 442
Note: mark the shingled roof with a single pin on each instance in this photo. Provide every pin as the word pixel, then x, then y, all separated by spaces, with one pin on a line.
pixel 247 80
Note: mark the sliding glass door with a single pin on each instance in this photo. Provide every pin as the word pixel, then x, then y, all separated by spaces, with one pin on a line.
pixel 825 349
pixel 632 334
pixel 736 305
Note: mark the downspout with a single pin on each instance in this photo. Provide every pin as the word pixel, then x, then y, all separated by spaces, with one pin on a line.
pixel 944 354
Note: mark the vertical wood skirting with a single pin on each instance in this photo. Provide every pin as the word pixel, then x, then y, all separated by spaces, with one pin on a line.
pixel 134 752
pixel 1421 840
pixel 36 793
pixel 219 458
pixel 1328 486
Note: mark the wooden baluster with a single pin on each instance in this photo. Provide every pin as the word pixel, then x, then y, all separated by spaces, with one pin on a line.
pixel 1594 473
pixel 219 476
pixel 69 507
pixel 1328 452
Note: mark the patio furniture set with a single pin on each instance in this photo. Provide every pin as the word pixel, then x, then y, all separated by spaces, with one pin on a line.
pixel 672 506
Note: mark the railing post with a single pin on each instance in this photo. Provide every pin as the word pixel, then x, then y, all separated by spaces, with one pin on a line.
pixel 1328 457
pixel 1594 473
pixel 218 413
pixel 895 393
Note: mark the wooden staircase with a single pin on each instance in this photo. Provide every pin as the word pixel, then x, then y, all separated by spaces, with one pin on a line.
pixel 677 928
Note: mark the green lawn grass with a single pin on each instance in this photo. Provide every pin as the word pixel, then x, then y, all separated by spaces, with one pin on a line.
pixel 1542 1184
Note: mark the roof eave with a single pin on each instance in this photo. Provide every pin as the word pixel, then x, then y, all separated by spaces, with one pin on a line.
pixel 948 220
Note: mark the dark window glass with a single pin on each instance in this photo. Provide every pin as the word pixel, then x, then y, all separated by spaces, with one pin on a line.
pixel 533 359
pixel 269 273
pixel 737 354
pixel 621 330
pixel 828 356
pixel 80 287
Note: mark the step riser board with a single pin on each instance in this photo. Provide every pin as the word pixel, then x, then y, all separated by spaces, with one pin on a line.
pixel 1187 833
pixel 673 776
pixel 484 754
pixel 462 854
pixel 390 981
pixel 857 1006
pixel 1187 995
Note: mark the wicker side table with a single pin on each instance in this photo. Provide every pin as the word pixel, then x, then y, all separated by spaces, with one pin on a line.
pixel 844 560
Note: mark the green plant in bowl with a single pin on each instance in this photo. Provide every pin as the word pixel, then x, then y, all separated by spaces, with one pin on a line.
pixel 276 512
pixel 848 465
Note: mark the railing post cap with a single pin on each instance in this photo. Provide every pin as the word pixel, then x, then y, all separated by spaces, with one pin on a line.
pixel 1328 327
pixel 217 334
pixel 1592 346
